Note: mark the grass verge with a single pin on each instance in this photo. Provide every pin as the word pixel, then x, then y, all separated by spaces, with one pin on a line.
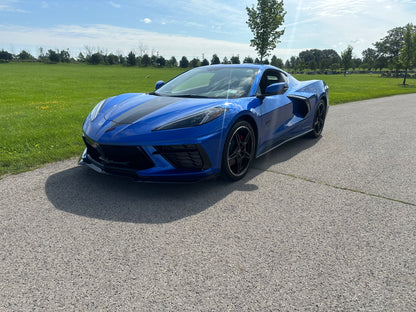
pixel 360 87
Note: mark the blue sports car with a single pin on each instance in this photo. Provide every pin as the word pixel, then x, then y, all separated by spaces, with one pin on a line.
pixel 208 121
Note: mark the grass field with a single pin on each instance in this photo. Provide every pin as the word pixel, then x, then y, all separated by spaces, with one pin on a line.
pixel 361 87
pixel 42 107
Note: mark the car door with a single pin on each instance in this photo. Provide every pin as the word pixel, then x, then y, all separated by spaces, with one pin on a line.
pixel 276 110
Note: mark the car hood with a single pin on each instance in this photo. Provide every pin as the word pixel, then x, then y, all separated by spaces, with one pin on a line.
pixel 146 108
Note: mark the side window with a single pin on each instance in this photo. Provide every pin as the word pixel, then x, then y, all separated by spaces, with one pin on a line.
pixel 270 77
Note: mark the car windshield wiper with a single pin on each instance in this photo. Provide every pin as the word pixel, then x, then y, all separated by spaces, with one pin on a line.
pixel 154 93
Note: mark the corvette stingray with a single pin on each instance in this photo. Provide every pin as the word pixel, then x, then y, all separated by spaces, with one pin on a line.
pixel 209 121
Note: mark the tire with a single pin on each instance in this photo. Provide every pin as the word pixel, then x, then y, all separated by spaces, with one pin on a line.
pixel 318 120
pixel 239 151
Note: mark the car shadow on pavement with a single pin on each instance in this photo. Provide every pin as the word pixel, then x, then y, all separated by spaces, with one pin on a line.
pixel 84 192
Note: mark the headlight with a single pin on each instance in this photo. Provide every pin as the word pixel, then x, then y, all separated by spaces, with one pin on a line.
pixel 96 110
pixel 196 119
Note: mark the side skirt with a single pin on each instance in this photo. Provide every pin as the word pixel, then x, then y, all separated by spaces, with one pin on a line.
pixel 281 143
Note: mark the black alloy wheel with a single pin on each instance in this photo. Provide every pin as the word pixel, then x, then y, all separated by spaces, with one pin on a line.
pixel 319 120
pixel 239 151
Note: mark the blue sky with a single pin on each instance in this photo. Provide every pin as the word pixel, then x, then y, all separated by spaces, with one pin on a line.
pixel 193 27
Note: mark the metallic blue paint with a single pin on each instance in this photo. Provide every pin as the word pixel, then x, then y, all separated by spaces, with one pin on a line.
pixel 275 119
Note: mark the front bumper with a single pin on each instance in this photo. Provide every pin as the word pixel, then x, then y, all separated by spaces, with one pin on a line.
pixel 160 163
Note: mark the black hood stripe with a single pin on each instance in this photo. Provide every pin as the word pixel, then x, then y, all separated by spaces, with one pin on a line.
pixel 144 109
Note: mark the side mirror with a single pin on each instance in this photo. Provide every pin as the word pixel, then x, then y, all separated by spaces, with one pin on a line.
pixel 159 84
pixel 276 88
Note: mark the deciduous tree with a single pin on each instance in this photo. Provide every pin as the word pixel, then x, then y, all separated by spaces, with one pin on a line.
pixel 390 46
pixel 264 21
pixel 407 56
pixel 346 59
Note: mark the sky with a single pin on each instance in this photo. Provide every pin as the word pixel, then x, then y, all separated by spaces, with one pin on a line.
pixel 193 28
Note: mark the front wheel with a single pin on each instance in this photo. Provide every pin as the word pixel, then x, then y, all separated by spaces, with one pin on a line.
pixel 318 120
pixel 239 150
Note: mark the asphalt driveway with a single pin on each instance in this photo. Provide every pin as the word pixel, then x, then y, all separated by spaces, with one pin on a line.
pixel 317 225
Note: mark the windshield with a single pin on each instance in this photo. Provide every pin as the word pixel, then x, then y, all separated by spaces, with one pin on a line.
pixel 211 82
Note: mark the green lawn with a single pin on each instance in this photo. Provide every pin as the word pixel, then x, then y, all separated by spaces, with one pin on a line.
pixel 361 87
pixel 42 107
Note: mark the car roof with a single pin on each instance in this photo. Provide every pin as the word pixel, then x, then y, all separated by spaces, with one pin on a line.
pixel 261 67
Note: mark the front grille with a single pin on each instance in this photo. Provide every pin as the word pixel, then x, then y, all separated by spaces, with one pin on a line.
pixel 188 157
pixel 114 157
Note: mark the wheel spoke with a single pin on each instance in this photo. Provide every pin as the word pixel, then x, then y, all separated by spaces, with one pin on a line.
pixel 238 139
pixel 239 165
pixel 234 154
pixel 246 155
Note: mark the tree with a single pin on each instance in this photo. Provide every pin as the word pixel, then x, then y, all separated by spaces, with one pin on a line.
pixel 153 60
pixel 287 64
pixel 95 58
pixel 64 56
pixel 408 52
pixel 235 60
pixel 112 59
pixel 390 46
pixel 131 59
pixel 381 62
pixel 184 63
pixel 346 59
pixel 356 62
pixel 194 63
pixel 146 61
pixel 173 62
pixel 122 59
pixel 5 56
pixel 225 60
pixel 81 57
pixel 329 57
pixel 161 61
pixel 215 60
pixel 293 62
pixel 369 58
pixel 311 58
pixel 204 62
pixel 248 59
pixel 264 21
pixel 25 56
pixel 53 56
pixel 313 65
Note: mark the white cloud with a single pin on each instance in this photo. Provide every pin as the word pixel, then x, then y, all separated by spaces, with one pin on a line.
pixel 335 8
pixel 115 5
pixel 335 24
pixel 147 20
pixel 10 6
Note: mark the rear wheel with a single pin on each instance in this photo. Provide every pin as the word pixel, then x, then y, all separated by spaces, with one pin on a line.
pixel 318 120
pixel 238 151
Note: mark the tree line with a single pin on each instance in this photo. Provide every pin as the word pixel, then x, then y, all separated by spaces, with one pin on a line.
pixel 396 51
pixel 145 60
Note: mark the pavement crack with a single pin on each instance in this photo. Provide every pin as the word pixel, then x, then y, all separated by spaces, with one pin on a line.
pixel 337 187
